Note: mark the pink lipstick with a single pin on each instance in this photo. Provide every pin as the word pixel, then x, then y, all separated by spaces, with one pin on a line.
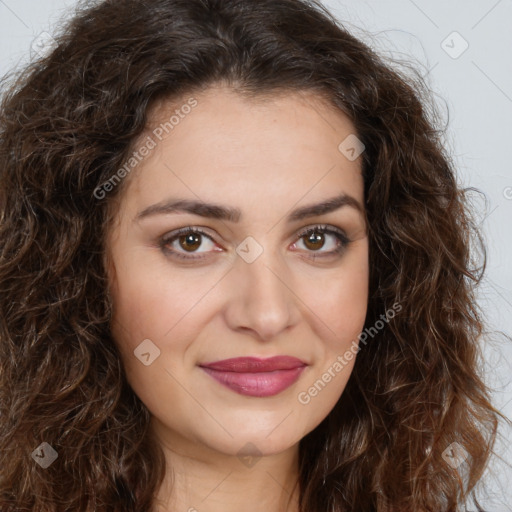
pixel 256 377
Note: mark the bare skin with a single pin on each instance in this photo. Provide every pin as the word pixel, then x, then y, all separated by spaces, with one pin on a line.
pixel 227 451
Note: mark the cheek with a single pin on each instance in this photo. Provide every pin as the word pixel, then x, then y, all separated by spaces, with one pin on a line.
pixel 145 308
pixel 339 305
pixel 340 301
pixel 147 303
pixel 151 304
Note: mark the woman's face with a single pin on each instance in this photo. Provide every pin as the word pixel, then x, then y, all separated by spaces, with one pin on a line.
pixel 250 285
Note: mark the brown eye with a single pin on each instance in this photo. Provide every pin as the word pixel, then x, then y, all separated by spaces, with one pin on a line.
pixel 317 237
pixel 186 240
pixel 314 241
pixel 191 242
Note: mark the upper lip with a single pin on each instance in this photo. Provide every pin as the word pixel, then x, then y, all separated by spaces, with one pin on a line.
pixel 255 364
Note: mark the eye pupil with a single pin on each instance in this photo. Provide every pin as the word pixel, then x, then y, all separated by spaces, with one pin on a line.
pixel 314 239
pixel 193 238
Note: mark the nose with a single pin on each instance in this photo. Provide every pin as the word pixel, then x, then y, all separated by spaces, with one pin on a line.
pixel 261 297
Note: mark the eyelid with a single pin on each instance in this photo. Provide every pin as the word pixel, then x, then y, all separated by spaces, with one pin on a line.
pixel 321 227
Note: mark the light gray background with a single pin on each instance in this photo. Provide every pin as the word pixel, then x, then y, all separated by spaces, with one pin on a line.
pixel 474 92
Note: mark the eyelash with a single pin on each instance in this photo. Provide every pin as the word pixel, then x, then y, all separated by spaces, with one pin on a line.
pixel 321 228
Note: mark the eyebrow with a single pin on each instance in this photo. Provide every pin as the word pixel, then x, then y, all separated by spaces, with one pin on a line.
pixel 216 211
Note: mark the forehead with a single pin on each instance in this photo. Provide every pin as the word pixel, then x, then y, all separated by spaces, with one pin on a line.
pixel 259 151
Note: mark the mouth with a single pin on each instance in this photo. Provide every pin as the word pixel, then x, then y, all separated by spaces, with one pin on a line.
pixel 252 376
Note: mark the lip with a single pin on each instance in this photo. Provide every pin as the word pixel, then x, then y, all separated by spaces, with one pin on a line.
pixel 257 377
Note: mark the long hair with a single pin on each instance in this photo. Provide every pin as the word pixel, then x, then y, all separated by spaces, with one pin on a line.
pixel 69 122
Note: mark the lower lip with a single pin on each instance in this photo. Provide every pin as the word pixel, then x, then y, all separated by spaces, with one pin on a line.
pixel 256 384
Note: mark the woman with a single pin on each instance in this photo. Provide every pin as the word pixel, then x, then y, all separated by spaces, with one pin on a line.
pixel 236 272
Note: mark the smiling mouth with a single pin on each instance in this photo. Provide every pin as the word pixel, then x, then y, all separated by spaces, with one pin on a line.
pixel 256 377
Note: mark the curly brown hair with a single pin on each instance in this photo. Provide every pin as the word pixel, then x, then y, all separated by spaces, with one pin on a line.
pixel 71 119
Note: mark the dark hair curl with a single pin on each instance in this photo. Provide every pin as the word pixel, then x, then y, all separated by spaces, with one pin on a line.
pixel 71 119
